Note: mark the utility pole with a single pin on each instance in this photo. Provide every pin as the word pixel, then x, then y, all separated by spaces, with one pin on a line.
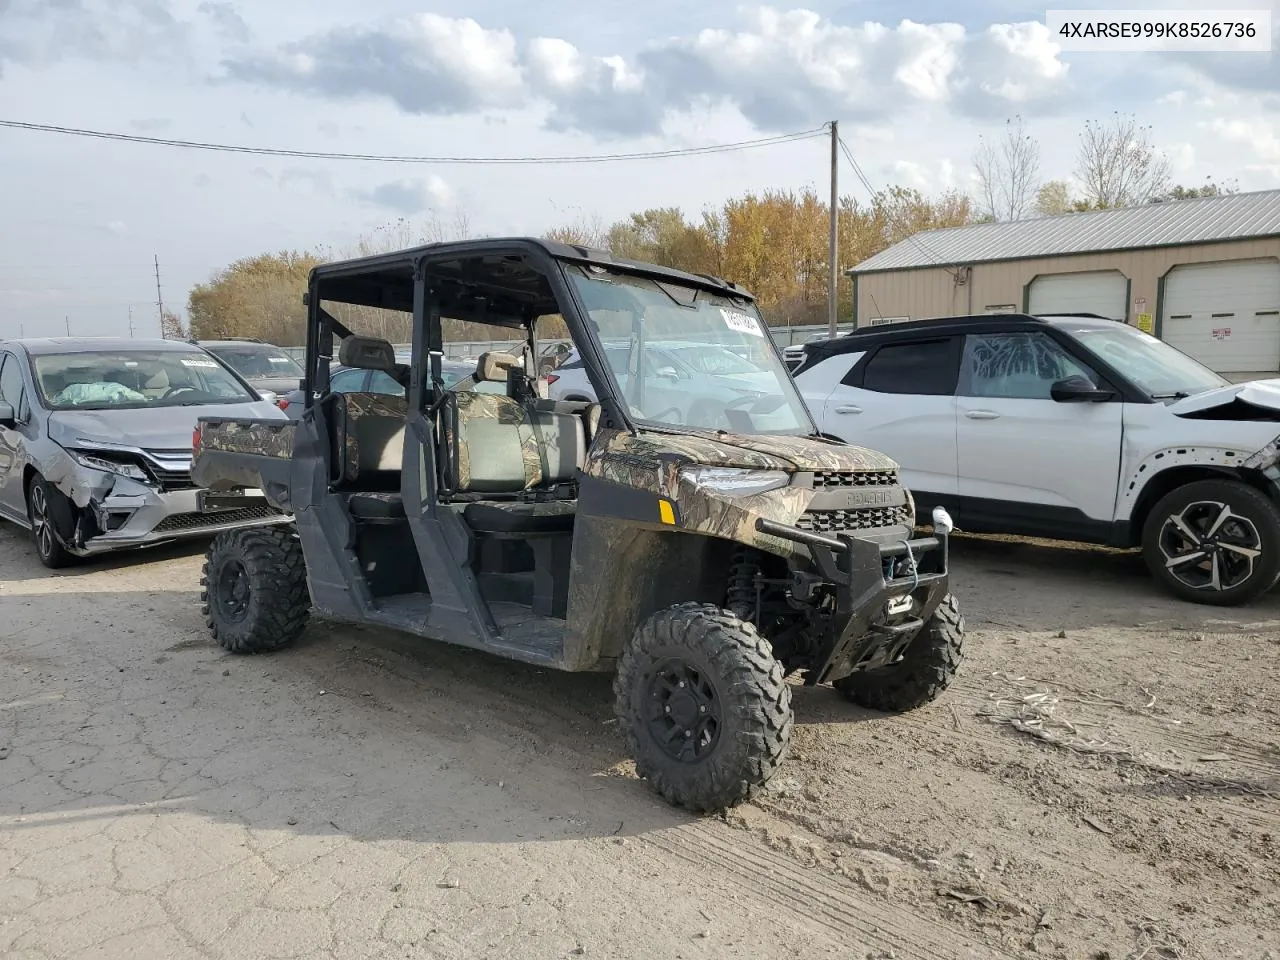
pixel 130 321
pixel 68 319
pixel 159 297
pixel 833 252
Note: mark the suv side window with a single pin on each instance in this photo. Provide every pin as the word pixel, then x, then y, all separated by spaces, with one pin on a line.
pixel 1016 366
pixel 383 382
pixel 926 368
pixel 11 389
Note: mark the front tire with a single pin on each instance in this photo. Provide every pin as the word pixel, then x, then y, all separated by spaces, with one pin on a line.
pixel 47 509
pixel 1215 542
pixel 253 590
pixel 703 705
pixel 927 667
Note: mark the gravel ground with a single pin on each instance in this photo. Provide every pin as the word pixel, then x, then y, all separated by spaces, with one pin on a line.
pixel 1101 783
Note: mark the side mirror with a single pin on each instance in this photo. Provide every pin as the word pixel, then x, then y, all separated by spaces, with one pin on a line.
pixel 668 373
pixel 7 418
pixel 1078 389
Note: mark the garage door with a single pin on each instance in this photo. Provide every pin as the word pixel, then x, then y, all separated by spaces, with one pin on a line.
pixel 1226 315
pixel 1104 292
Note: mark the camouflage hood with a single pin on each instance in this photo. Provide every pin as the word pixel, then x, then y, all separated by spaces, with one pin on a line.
pixel 751 452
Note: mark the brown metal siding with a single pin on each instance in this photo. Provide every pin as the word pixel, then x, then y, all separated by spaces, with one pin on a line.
pixel 932 292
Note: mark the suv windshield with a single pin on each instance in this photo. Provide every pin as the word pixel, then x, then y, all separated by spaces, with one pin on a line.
pixel 257 361
pixel 1161 370
pixel 135 378
pixel 687 357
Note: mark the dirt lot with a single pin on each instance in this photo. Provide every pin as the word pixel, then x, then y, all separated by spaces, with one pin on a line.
pixel 1102 783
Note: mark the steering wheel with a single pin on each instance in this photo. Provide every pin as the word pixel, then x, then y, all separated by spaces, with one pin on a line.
pixel 172 390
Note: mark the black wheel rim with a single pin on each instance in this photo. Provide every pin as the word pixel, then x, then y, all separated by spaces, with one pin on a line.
pixel 1208 546
pixel 231 592
pixel 683 711
pixel 40 525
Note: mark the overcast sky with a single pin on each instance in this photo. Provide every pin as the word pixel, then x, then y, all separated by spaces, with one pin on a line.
pixel 81 219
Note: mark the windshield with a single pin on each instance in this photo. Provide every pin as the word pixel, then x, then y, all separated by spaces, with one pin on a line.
pixel 1161 370
pixel 686 357
pixel 135 378
pixel 256 361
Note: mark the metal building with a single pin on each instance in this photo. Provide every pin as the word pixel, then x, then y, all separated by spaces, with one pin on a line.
pixel 1202 274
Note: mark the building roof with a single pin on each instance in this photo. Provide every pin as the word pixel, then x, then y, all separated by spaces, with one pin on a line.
pixel 1171 223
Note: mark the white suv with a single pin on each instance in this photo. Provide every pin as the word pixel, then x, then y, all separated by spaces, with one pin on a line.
pixel 1073 428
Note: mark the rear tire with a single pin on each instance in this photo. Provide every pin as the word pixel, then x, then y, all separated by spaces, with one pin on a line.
pixel 253 590
pixel 47 510
pixel 927 667
pixel 1215 542
pixel 703 706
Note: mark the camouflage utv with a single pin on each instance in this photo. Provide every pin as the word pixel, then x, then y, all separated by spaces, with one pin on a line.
pixel 694 534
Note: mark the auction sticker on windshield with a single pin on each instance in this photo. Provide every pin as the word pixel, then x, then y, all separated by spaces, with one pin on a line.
pixel 742 322
pixel 197 362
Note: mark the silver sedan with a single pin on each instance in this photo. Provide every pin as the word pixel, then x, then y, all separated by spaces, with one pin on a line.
pixel 95 443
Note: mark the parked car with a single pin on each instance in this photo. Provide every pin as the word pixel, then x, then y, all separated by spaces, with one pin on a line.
pixel 694 380
pixel 352 380
pixel 793 355
pixel 95 442
pixel 1073 428
pixel 269 370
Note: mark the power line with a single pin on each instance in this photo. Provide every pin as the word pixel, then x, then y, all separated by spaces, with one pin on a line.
pixel 376 158
pixel 911 238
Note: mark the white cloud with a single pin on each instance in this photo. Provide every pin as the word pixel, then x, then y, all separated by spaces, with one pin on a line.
pixel 1255 133
pixel 927 178
pixel 1175 97
pixel 427 64
pixel 781 70
pixel 1017 63
pixel 409 196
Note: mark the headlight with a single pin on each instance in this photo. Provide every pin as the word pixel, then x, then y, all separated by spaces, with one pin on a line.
pixel 130 470
pixel 735 480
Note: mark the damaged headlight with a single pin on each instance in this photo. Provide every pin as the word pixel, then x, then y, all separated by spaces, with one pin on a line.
pixel 121 468
pixel 735 480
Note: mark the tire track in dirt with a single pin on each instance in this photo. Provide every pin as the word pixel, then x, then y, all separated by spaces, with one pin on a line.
pixel 871 924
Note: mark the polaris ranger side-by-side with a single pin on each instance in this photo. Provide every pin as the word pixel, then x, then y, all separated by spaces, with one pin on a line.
pixel 703 551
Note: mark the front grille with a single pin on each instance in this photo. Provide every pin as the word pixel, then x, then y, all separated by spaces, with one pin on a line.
pixel 171 469
pixel 193 521
pixel 869 518
pixel 828 479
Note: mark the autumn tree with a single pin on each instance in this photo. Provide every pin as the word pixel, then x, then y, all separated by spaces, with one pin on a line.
pixel 257 296
pixel 171 326
pixel 1008 169
pixel 1207 189
pixel 1117 164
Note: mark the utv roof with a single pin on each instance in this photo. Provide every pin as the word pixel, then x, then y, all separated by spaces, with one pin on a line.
pixel 373 279
pixel 867 337
pixel 39 346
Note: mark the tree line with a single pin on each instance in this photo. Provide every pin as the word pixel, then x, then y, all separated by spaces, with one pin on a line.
pixel 774 243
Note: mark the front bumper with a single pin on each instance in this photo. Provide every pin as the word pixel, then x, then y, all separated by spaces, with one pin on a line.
pixel 135 515
pixel 884 594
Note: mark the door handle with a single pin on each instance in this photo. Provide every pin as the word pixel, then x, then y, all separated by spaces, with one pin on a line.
pixel 982 415
pixel 848 408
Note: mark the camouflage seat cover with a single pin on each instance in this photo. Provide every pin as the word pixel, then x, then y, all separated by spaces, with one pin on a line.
pixel 499 445
pixel 368 436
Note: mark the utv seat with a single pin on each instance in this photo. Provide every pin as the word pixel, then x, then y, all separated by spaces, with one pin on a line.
pixel 504 448
pixel 517 464
pixel 368 450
